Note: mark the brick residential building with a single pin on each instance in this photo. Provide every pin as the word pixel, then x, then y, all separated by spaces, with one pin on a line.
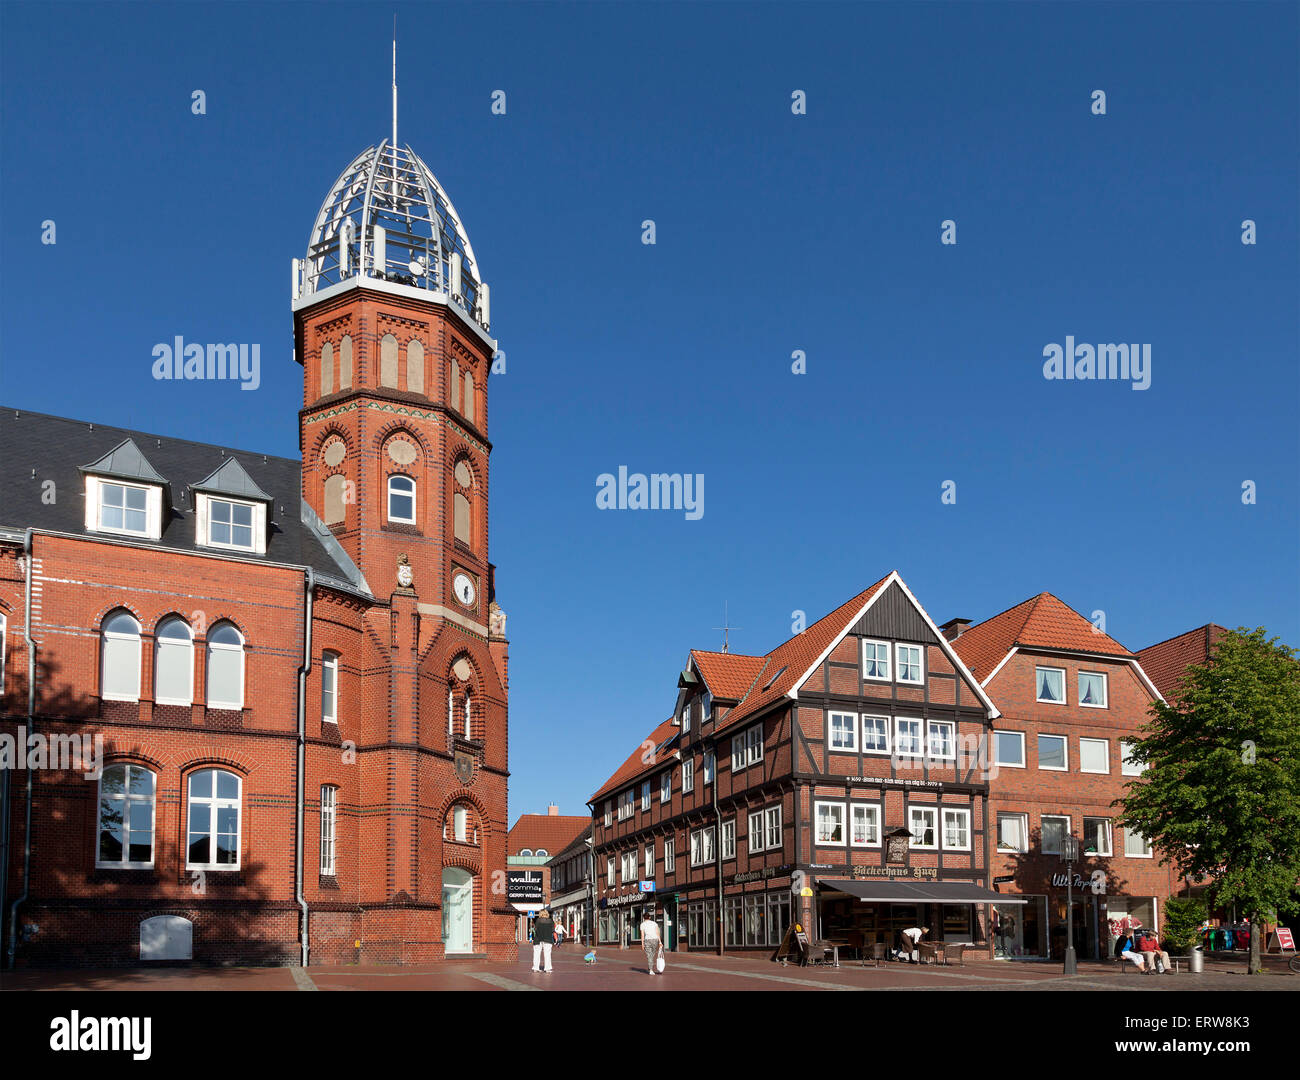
pixel 1166 661
pixel 297 666
pixel 1071 700
pixel 533 841
pixel 786 787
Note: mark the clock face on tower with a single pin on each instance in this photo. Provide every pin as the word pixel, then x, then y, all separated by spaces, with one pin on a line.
pixel 463 586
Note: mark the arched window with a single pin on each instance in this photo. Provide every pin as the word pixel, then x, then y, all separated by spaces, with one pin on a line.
pixel 401 499
pixel 460 824
pixel 336 487
pixel 469 396
pixel 326 369
pixel 462 526
pixel 388 361
pixel 225 667
pixel 329 688
pixel 451 714
pixel 469 712
pixel 173 663
pixel 120 653
pixel 126 817
pixel 455 384
pixel 415 366
pixel 3 642
pixel 542 853
pixel 345 362
pixel 214 812
pixel 461 506
pixel 526 851
pixel 328 800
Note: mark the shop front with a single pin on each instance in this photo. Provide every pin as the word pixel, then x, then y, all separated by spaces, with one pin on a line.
pixel 860 913
pixel 1033 927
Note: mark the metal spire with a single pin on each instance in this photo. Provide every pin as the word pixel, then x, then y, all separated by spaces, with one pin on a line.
pixel 394 82
pixel 726 628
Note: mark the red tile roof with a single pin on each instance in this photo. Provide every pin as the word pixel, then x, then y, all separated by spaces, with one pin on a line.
pixel 727 675
pixel 1041 622
pixel 554 832
pixel 768 678
pixel 1166 661
pixel 641 760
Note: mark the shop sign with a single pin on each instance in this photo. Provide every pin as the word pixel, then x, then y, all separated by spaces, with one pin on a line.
pixel 622 901
pixel 759 875
pixel 897 781
pixel 1096 883
pixel 1004 879
pixel 524 887
pixel 646 886
pixel 917 873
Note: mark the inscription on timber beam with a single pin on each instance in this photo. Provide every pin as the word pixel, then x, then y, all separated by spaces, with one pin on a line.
pixel 918 873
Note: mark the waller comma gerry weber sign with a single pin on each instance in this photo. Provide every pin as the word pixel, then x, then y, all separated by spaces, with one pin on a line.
pixel 524 889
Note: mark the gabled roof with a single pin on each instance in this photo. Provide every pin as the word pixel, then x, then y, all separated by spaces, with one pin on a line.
pixel 727 675
pixel 1167 661
pixel 126 461
pixel 578 843
pixel 36 448
pixel 554 832
pixel 1041 622
pixel 230 478
pixel 635 764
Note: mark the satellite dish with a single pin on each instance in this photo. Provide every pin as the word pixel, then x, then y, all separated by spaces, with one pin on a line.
pixel 416 267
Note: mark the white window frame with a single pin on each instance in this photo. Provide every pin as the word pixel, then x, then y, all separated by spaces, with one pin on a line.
pixel 1022 763
pixel 609 871
pixel 920 736
pixel 773 826
pixel 1038 749
pixel 757 835
pixel 1105 749
pixel 888 661
pixel 702 846
pixel 413 495
pixel 1105 689
pixel 849 725
pixel 729 839
pixel 964 816
pixel 220 646
pixel 328 817
pixel 117 635
pixel 159 644
pixel 898 663
pixel 1125 768
pixel 1065 696
pixel 818 834
pixel 125 800
pixel 1042 819
pixel 609 812
pixel 933 813
pixel 871 817
pixel 876 731
pixel 737 752
pixel 1109 837
pixel 650 860
pixel 688 775
pixel 666 787
pixel 754 745
pixel 1024 831
pixel 215 802
pixel 329 664
pixel 152 513
pixel 203 523
pixel 629 869
pixel 1128 835
pixel 645 795
pixel 951 726
pixel 670 855
pixel 710 766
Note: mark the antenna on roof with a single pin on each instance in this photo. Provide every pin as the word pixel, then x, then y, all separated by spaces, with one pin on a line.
pixel 394 90
pixel 726 628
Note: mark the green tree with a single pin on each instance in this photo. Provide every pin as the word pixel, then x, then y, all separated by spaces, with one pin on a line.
pixel 1220 794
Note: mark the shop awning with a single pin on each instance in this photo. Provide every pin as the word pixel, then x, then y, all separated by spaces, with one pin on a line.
pixel 917 892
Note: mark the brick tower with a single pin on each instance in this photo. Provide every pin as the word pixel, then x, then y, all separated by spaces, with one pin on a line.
pixel 391 327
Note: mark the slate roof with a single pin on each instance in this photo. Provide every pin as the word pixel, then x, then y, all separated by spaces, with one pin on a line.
pixel 36 447
pixel 230 478
pixel 554 832
pixel 1041 622
pixel 1167 661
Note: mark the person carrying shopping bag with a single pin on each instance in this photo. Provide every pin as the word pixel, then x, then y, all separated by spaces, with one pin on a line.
pixel 651 942
pixel 543 939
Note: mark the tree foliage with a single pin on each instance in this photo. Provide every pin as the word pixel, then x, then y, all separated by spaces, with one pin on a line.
pixel 1220 794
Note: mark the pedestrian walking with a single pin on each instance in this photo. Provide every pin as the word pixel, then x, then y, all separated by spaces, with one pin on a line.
pixel 651 942
pixel 543 939
pixel 559 934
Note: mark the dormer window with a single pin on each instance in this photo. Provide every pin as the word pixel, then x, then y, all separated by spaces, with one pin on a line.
pixel 230 524
pixel 122 508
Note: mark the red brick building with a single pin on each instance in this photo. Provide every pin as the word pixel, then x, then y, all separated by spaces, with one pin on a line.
pixel 786 787
pixel 297 668
pixel 534 840
pixel 1166 661
pixel 1071 699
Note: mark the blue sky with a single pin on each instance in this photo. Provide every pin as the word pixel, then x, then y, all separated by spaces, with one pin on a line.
pixel 775 232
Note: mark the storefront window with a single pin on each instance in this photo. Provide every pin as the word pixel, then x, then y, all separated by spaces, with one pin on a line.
pixel 1017 928
pixel 756 919
pixel 731 926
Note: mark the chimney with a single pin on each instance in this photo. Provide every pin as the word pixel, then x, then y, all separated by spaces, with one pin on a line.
pixel 954 628
pixel 552 811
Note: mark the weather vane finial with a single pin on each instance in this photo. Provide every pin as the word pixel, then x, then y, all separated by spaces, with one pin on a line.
pixel 726 628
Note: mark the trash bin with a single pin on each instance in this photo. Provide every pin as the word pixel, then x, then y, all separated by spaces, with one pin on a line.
pixel 1196 961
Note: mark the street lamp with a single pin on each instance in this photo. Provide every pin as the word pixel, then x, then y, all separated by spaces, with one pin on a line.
pixel 1069 855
